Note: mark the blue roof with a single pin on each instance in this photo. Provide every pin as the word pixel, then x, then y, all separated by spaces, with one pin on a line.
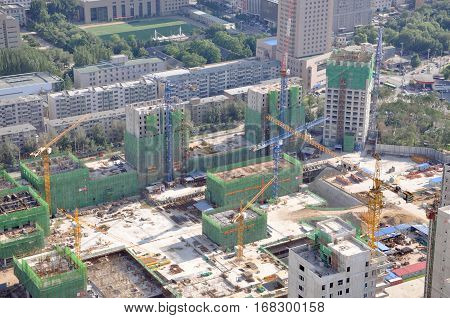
pixel 393 230
pixel 203 206
pixel 382 247
pixel 421 228
pixel 271 41
pixel 390 276
pixel 424 165
pixel 436 180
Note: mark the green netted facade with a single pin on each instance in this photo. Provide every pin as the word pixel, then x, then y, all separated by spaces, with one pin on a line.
pixel 232 192
pixel 76 189
pixel 62 285
pixel 349 142
pixel 148 154
pixel 34 218
pixel 357 74
pixel 225 235
pixel 258 128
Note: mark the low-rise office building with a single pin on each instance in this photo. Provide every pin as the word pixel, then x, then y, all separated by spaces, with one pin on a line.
pixel 201 108
pixel 29 84
pixel 118 69
pixel 18 134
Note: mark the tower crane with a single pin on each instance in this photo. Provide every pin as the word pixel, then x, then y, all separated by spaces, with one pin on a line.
pixel 45 152
pixel 375 194
pixel 76 231
pixel 431 213
pixel 239 219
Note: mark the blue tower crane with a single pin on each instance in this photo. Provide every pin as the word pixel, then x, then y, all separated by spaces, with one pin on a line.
pixel 277 142
pixel 168 130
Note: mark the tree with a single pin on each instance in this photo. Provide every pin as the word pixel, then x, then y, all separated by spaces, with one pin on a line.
pixel 117 131
pixel 9 153
pixel 99 135
pixel 38 11
pixel 30 145
pixel 415 60
pixel 193 60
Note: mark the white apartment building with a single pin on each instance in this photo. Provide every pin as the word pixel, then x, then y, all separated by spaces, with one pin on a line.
pixel 22 110
pixel 380 5
pixel 17 11
pixel 104 118
pixel 17 134
pixel 200 108
pixel 118 69
pixel 99 99
pixel 441 264
pixel 347 106
pixel 445 191
pixel 214 79
pixel 339 266
pixel 24 3
pixel 9 31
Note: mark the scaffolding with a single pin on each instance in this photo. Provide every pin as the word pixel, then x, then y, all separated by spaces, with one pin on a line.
pixel 56 274
pixel 219 227
pixel 231 184
pixel 73 186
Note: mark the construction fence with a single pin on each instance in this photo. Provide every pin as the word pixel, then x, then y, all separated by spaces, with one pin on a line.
pixel 64 285
pixel 226 235
pixel 407 151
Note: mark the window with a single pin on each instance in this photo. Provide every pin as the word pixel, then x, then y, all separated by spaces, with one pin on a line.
pixel 323 287
pixel 331 295
pixel 365 285
pixel 331 285
pixel 340 293
pixel 366 275
pixel 367 264
pixel 340 282
pixel 365 295
pixel 347 280
pixel 347 290
pixel 348 269
pixel 300 287
pixel 302 268
pixel 301 278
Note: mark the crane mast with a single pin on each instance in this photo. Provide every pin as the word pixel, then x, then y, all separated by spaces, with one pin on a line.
pixel 168 131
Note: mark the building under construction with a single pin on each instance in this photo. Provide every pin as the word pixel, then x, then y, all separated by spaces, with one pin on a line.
pixel 146 140
pixel 75 184
pixel 219 227
pixel 347 108
pixel 24 219
pixel 237 183
pixel 55 274
pixel 265 100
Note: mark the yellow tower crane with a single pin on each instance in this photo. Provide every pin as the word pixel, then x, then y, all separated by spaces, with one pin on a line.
pixel 372 217
pixel 45 152
pixel 239 219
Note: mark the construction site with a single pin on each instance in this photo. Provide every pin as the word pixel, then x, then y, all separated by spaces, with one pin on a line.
pixel 235 213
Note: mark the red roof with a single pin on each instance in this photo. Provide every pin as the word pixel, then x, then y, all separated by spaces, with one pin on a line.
pixel 410 269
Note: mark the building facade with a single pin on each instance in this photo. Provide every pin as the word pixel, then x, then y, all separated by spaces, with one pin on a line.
pixel 105 118
pixel 304 29
pixel 380 5
pixel 441 265
pixel 108 10
pixel 213 79
pixel 347 106
pixel 99 99
pixel 17 11
pixel 350 13
pixel 269 12
pixel 335 264
pixel 22 110
pixel 25 3
pixel 445 191
pixel 118 69
pixel 10 31
pixel 201 108
pixel 18 134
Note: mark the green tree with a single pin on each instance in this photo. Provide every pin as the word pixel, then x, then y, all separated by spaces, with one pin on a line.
pixel 99 135
pixel 9 153
pixel 38 11
pixel 117 131
pixel 193 60
pixel 415 60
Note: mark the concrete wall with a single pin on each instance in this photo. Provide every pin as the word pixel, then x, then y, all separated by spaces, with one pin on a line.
pixel 409 151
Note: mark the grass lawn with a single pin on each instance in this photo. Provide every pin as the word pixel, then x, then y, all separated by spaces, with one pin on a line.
pixel 144 29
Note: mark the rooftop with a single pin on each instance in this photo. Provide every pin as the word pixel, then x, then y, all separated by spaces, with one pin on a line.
pixel 19 99
pixel 352 56
pixel 335 227
pixel 18 232
pixel 27 79
pixel 349 247
pixel 50 264
pixel 107 167
pixel 109 64
pixel 265 88
pixel 258 168
pixel 17 202
pixel 226 218
pixel 10 130
pixel 311 255
pixel 93 116
pixel 211 144
pixel 5 184
pixel 58 164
